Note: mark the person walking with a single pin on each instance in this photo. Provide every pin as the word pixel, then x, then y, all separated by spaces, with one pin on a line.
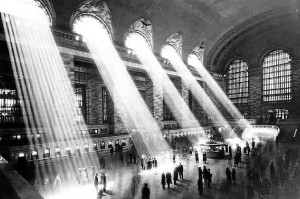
pixel 180 171
pixel 228 175
pixel 200 187
pixel 96 181
pixel 253 143
pixel 196 156
pixel 142 163
pixel 103 181
pixel 247 147
pixel 204 158
pixel 230 153
pixel 236 160
pixel 209 178
pixel 163 180
pixel 145 192
pixel 169 179
pixel 175 175
pixel 233 175
pixel 200 173
pixel 155 162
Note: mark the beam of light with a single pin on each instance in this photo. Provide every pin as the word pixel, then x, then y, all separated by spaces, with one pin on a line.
pixel 43 85
pixel 218 92
pixel 198 92
pixel 172 98
pixel 136 117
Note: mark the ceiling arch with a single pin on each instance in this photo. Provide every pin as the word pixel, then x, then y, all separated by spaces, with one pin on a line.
pixel 199 20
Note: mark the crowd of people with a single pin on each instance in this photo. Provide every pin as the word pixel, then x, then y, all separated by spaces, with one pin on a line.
pixel 148 163
pixel 264 170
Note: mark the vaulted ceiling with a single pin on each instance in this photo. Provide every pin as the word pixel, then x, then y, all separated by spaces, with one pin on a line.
pixel 199 20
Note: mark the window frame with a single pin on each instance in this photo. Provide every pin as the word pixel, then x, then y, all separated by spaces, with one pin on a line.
pixel 230 63
pixel 278 72
pixel 104 95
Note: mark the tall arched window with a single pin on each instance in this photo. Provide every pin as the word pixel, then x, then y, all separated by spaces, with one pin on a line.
pixel 139 33
pixel 237 82
pixel 135 39
pixel 91 16
pixel 277 77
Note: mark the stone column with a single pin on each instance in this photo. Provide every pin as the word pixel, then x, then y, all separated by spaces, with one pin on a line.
pixel 255 102
pixel 154 99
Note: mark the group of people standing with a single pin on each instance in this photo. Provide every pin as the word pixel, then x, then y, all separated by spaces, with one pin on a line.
pixel 166 179
pixel 151 163
pixel 206 176
pixel 101 181
pixel 231 175
pixel 197 157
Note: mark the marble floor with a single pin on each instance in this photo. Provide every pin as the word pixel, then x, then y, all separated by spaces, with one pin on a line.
pixel 125 180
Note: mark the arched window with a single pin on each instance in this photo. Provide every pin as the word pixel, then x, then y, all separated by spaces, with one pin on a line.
pixel 237 82
pixel 133 39
pixel 46 8
pixel 139 33
pixel 168 51
pixel 193 60
pixel 277 77
pixel 84 24
pixel 92 15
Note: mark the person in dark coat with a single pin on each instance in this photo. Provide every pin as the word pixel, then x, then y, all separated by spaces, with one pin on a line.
pixel 247 147
pixel 175 175
pixel 180 171
pixel 272 170
pixel 204 173
pixel 253 143
pixel 155 162
pixel 209 178
pixel 149 164
pixel 142 163
pixel 204 158
pixel 145 192
pixel 200 187
pixel 169 179
pixel 130 157
pixel 163 180
pixel 228 175
pixel 236 160
pixel 103 181
pixel 197 156
pixel 230 153
pixel 96 181
pixel 200 173
pixel 233 175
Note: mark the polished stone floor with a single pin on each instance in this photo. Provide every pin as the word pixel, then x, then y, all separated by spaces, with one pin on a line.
pixel 125 180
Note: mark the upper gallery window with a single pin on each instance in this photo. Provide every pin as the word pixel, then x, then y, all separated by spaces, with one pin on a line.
pixel 91 18
pixel 139 34
pixel 133 39
pixel 277 77
pixel 237 81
